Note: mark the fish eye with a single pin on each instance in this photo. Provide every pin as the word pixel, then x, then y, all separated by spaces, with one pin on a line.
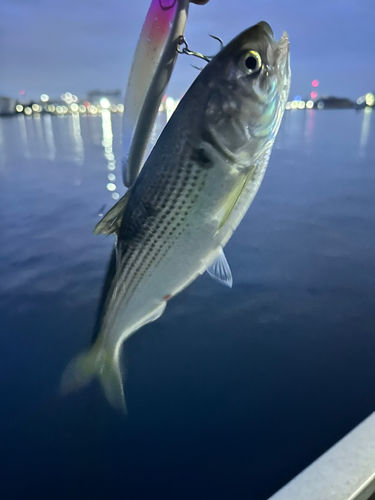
pixel 251 62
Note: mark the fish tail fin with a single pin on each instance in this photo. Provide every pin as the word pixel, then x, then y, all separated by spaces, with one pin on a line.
pixel 105 366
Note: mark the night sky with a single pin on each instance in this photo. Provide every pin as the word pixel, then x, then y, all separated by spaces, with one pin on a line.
pixel 77 45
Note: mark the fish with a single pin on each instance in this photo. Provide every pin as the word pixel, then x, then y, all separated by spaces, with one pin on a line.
pixel 152 66
pixel 196 186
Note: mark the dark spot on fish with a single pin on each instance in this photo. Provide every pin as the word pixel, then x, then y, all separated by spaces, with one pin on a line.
pixel 150 210
pixel 200 157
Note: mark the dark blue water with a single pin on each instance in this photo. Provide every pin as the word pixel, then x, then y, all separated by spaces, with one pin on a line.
pixel 232 392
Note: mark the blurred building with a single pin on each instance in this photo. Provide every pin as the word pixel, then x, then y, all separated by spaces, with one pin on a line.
pixel 7 106
pixel 330 102
pixel 111 95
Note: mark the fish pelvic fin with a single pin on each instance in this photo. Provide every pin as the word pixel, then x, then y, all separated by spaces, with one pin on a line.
pixel 101 364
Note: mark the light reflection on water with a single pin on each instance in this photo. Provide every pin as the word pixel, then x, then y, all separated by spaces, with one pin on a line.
pixel 309 127
pixel 2 148
pixel 75 131
pixel 23 134
pixel 365 130
pixel 49 137
pixel 107 143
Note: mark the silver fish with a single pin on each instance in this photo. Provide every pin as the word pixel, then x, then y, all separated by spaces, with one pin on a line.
pixel 190 196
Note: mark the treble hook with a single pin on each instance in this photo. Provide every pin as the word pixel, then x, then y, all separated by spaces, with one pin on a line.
pixel 185 49
pixel 219 40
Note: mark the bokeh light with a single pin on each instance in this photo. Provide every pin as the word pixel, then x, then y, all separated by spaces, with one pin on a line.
pixel 370 99
pixel 104 103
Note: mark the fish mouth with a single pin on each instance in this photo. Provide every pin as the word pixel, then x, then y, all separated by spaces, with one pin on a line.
pixel 281 53
pixel 284 43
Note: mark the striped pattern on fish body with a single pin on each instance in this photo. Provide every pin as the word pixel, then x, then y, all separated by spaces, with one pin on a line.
pixel 191 194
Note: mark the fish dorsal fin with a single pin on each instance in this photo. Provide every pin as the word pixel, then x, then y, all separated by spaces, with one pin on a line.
pixel 220 271
pixel 111 222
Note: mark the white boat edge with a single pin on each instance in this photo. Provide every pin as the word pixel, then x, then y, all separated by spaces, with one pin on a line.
pixel 344 472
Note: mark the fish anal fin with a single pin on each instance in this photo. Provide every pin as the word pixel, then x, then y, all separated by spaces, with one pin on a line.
pixel 220 271
pixel 111 222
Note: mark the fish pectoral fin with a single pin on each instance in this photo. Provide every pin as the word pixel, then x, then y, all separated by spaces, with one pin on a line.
pixel 111 222
pixel 220 271
pixel 100 363
pixel 231 201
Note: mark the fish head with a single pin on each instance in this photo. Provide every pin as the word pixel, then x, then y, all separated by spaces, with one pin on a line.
pixel 249 84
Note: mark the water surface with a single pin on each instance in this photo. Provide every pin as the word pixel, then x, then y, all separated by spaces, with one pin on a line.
pixel 232 392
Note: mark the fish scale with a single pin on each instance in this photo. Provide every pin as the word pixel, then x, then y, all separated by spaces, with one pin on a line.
pixel 190 196
pixel 150 245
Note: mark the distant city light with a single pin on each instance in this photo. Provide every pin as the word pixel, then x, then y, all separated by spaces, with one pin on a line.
pixel 68 96
pixel 93 110
pixel 74 98
pixel 314 94
pixel 28 111
pixel 170 106
pixel 120 108
pixel 22 92
pixel 86 104
pixel 287 106
pixel 104 103
pixel 36 108
pixel 370 99
pixel 44 98
pixel 82 108
pixel 19 108
pixel 111 177
pixel 315 83
pixel 51 108
pixel 59 109
pixel 74 107
pixel 111 186
pixel 115 196
pixel 169 102
pixel 320 105
pixel 294 104
pixel 301 105
pixel 297 98
pixel 309 104
pixel 65 109
pixel 113 108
